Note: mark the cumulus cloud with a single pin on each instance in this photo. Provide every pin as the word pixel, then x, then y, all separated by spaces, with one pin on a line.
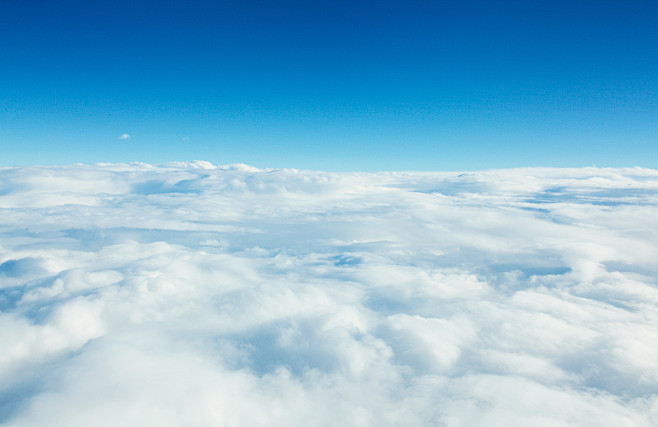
pixel 195 294
pixel 124 137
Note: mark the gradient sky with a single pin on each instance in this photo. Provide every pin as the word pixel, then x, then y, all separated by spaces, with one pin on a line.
pixel 338 85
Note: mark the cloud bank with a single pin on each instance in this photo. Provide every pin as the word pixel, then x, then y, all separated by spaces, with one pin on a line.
pixel 195 294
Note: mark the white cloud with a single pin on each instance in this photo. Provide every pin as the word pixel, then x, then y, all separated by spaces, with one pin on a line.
pixel 195 294
pixel 124 137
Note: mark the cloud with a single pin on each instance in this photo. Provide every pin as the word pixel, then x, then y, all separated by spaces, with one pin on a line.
pixel 195 294
pixel 124 137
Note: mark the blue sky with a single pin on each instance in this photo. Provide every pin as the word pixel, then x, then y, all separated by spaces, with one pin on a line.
pixel 341 85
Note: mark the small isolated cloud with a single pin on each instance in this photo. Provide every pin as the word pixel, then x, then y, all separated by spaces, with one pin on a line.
pixel 124 137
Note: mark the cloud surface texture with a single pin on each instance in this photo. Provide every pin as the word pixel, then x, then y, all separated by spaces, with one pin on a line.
pixel 193 294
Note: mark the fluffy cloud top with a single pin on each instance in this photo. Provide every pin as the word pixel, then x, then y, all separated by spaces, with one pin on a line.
pixel 195 294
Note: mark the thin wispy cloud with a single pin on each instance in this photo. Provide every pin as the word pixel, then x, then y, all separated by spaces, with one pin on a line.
pixel 124 137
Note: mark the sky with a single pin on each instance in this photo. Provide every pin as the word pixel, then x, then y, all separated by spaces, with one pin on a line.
pixel 190 294
pixel 339 85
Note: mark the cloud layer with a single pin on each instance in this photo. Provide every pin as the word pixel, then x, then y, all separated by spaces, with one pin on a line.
pixel 195 294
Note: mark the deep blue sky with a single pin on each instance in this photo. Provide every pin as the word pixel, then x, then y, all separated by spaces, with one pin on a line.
pixel 338 85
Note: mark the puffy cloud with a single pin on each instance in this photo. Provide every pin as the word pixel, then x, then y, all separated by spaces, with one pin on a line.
pixel 124 137
pixel 195 294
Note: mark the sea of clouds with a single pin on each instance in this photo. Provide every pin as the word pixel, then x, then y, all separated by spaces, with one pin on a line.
pixel 190 294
